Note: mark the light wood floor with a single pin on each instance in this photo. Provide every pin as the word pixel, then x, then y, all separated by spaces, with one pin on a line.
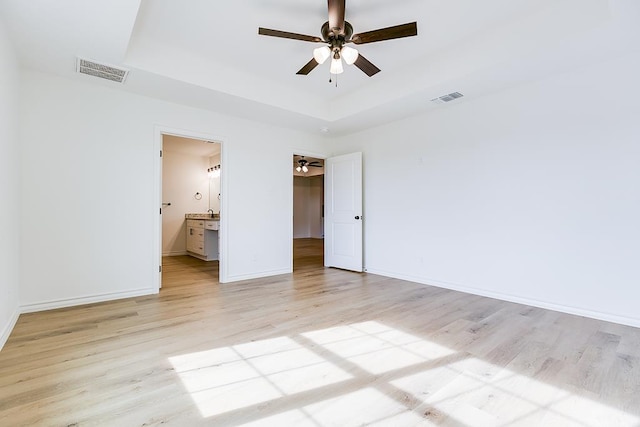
pixel 319 347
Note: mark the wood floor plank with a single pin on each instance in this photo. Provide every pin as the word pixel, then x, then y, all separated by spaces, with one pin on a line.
pixel 317 347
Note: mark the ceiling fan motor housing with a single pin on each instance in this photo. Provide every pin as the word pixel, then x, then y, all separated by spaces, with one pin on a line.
pixel 336 40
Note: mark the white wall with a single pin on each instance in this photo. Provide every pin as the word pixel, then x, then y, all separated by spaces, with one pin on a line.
pixel 9 188
pixel 307 207
pixel 183 175
pixel 214 189
pixel 532 194
pixel 316 201
pixel 90 211
pixel 300 207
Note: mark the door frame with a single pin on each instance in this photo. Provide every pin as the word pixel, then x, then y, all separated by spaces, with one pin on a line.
pixel 298 153
pixel 159 132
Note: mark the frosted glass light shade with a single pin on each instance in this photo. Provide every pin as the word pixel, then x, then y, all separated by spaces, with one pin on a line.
pixel 336 66
pixel 349 55
pixel 305 169
pixel 298 168
pixel 321 54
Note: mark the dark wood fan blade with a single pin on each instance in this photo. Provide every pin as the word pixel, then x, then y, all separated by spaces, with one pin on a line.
pixel 336 16
pixel 314 166
pixel 389 33
pixel 308 68
pixel 367 67
pixel 287 35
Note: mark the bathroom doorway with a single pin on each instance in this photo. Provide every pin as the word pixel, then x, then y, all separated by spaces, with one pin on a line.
pixel 190 175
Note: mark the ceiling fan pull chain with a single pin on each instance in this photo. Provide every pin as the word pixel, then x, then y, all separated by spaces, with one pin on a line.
pixel 331 80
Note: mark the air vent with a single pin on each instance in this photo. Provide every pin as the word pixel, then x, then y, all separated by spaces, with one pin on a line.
pixel 107 72
pixel 447 98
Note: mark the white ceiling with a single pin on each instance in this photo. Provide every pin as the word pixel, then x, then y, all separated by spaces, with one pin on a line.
pixel 208 54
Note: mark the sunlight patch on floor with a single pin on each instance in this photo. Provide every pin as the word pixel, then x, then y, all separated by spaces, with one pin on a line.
pixel 481 395
pixel 230 378
pixel 363 407
pixel 370 373
pixel 377 348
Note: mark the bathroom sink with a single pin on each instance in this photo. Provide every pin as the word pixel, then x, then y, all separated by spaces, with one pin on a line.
pixel 202 216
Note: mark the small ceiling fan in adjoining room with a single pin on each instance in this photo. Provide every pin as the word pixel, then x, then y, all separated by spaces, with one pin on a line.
pixel 336 33
pixel 303 164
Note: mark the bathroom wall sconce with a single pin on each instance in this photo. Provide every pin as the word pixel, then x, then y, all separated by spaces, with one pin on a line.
pixel 214 172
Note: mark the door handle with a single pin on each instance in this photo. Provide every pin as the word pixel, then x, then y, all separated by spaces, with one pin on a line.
pixel 357 217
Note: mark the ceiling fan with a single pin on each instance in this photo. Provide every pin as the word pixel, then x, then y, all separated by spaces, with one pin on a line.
pixel 336 33
pixel 304 164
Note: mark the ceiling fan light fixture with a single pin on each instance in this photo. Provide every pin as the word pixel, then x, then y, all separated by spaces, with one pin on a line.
pixel 321 54
pixel 305 169
pixel 336 32
pixel 349 54
pixel 298 169
pixel 336 66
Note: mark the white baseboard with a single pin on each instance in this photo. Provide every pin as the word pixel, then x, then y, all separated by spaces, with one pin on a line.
pixel 70 302
pixel 608 317
pixel 240 277
pixel 175 253
pixel 6 331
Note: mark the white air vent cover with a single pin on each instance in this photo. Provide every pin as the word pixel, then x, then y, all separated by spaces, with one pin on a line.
pixel 447 98
pixel 108 72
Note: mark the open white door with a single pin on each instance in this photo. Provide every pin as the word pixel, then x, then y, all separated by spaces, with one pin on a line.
pixel 343 212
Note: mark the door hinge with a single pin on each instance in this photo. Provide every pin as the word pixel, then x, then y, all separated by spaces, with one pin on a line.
pixel 160 269
pixel 160 153
pixel 160 211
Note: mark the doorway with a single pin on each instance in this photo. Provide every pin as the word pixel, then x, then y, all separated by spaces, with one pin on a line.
pixel 190 179
pixel 308 212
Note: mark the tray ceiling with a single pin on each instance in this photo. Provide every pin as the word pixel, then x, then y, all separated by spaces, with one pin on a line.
pixel 209 55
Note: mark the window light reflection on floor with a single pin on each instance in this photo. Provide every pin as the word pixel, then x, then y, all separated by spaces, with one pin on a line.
pixel 371 373
pixel 367 406
pixel 477 398
pixel 377 348
pixel 234 377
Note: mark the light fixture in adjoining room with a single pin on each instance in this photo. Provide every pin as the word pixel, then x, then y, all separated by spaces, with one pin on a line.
pixel 303 165
pixel 214 172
